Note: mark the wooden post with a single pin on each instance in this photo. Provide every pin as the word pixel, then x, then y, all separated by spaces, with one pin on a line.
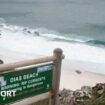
pixel 56 74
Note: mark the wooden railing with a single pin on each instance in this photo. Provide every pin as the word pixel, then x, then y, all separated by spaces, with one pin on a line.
pixel 52 95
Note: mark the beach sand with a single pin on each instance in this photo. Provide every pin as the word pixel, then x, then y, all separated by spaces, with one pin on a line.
pixel 70 79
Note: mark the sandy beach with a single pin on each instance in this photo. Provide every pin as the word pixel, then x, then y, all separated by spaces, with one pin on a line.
pixel 70 79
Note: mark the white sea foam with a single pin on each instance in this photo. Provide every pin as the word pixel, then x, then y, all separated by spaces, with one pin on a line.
pixel 18 39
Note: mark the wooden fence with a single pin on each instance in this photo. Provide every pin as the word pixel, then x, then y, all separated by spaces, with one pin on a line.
pixel 50 97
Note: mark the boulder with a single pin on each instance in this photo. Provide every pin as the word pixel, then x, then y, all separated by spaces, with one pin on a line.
pixel 1 61
pixel 36 33
pixel 78 71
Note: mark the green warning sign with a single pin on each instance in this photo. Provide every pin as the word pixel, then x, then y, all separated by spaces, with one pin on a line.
pixel 25 83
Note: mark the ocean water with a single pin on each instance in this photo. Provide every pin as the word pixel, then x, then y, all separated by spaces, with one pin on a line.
pixel 36 27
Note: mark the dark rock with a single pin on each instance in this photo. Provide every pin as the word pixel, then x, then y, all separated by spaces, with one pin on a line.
pixel 36 33
pixel 66 97
pixel 1 61
pixel 85 96
pixel 98 90
pixel 78 71
pixel 27 31
pixel 86 89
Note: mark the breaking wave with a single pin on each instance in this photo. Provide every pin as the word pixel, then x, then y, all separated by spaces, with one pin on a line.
pixel 41 41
